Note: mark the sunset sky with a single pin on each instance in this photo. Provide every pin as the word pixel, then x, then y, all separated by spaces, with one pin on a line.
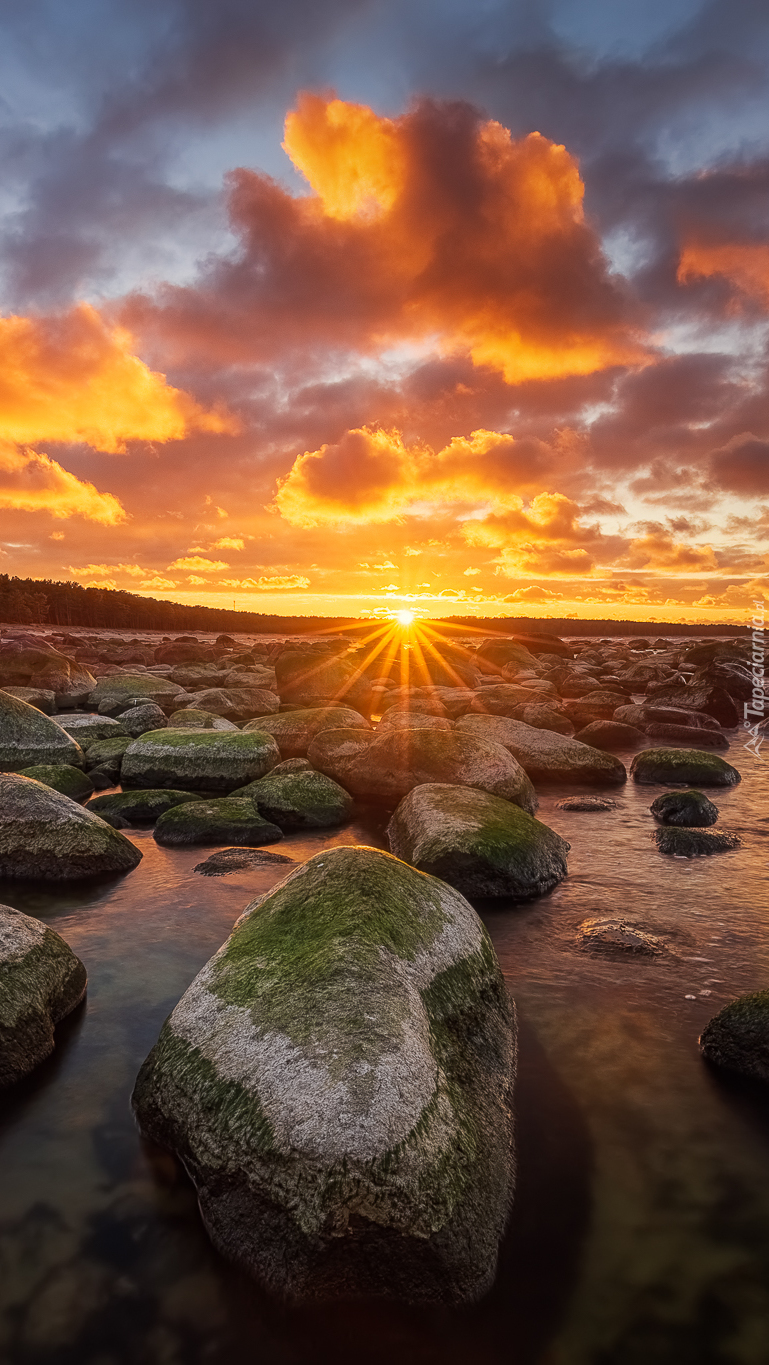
pixel 340 306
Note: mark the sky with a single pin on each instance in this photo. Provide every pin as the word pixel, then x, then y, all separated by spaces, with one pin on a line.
pixel 349 306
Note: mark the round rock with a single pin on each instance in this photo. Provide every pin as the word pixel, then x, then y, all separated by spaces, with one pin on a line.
pixel 685 766
pixel 737 1038
pixel 27 737
pixel 229 820
pixel 41 981
pixel 46 836
pixel 686 809
pixel 198 760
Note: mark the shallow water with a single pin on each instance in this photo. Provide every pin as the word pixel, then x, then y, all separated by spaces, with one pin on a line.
pixel 640 1230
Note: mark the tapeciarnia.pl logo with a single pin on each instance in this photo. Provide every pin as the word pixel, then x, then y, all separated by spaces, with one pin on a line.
pixel 757 704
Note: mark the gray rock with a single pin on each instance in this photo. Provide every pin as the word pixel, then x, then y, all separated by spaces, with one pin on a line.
pixel 138 807
pixel 543 717
pixel 294 731
pixel 106 751
pixel 395 719
pixel 693 843
pixel 702 696
pixel 139 720
pixel 502 699
pixel 336 752
pixel 292 765
pixel 191 718
pixel 40 697
pixel 481 844
pixel 198 760
pixel 41 981
pixel 46 836
pixel 238 860
pixel 683 765
pixel 228 820
pixel 238 704
pixel 62 777
pixel 686 809
pixel 128 689
pixel 299 800
pixel 610 735
pixel 347 1058
pixel 684 734
pixel 400 760
pixel 27 736
pixel 737 1038
pixel 545 756
pixel 87 730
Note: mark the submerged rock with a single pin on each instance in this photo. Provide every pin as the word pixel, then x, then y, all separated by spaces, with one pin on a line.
pixel 618 938
pixel 546 756
pixel 237 860
pixel 337 1081
pixel 586 803
pixel 400 760
pixel 686 809
pixel 693 843
pixel 44 835
pixel 737 1038
pixel 62 777
pixel 481 844
pixel 139 807
pixel 41 981
pixel 198 760
pixel 27 736
pixel 683 765
pixel 228 820
pixel 299 800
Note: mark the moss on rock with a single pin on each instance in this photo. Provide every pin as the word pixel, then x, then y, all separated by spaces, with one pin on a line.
pixel 41 981
pixel 198 760
pixel 139 807
pixel 27 737
pixel 337 1081
pixel 683 765
pixel 693 843
pixel 228 820
pixel 62 777
pixel 299 800
pixel 685 809
pixel 46 836
pixel 737 1038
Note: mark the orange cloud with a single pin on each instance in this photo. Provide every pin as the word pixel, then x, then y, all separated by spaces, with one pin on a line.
pixel 275 583
pixel 434 227
pixel 31 482
pixel 198 562
pixel 71 378
pixel 658 550
pixel 745 264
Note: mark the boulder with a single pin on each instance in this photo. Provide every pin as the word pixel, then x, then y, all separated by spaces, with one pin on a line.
pixel 190 718
pixel 685 809
pixel 138 720
pixel 481 844
pixel 545 756
pixel 337 1081
pixel 308 678
pixel 299 800
pixel 291 765
pixel 228 820
pixel 27 736
pixel 294 731
pixel 737 1038
pixel 693 843
pixel 502 699
pixel 198 760
pixel 239 860
pixel 109 751
pixel 237 705
pixel 86 730
pixel 399 760
pixel 543 717
pixel 610 735
pixel 492 655
pixel 40 697
pixel 683 765
pixel 138 807
pixel 62 777
pixel 128 689
pixel 683 734
pixel 48 837
pixel 641 716
pixel 336 752
pixel 704 696
pixel 41 981
pixel 184 651
pixel 395 719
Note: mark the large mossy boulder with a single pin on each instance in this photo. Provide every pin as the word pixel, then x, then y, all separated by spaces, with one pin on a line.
pixel 546 756
pixel 684 809
pixel 128 689
pixel 299 800
pixel 192 718
pixel 198 760
pixel 138 807
pixel 28 736
pixel 683 765
pixel 737 1038
pixel 41 981
pixel 294 731
pixel 481 844
pixel 88 729
pixel 502 699
pixel 399 760
pixel 46 836
pixel 337 1081
pixel 226 820
pixel 62 777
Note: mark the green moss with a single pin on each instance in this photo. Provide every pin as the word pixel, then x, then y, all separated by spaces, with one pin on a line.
pixel 141 805
pixel 62 778
pixel 235 740
pixel 683 765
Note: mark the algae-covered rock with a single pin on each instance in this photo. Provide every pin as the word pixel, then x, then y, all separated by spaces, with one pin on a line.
pixel 399 760
pixel 546 756
pixel 586 803
pixel 41 981
pixel 132 688
pixel 227 820
pixel 62 777
pixel 693 843
pixel 336 752
pixel 192 718
pixel 108 751
pixel 685 809
pixel 198 760
pixel 42 698
pixel 683 765
pixel 139 807
pixel 481 844
pixel 28 736
pixel 294 731
pixel 337 1081
pixel 44 835
pixel 87 730
pixel 299 800
pixel 138 720
pixel 737 1038
pixel 239 860
pixel 610 735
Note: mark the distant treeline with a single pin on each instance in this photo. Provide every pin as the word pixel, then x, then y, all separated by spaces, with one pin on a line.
pixel 42 601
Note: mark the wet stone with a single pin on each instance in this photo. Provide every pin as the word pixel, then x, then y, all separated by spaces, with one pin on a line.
pixel 237 860
pixel 585 803
pixel 693 843
pixel 618 937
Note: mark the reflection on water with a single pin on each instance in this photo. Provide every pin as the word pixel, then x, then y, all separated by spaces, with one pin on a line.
pixel 640 1230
